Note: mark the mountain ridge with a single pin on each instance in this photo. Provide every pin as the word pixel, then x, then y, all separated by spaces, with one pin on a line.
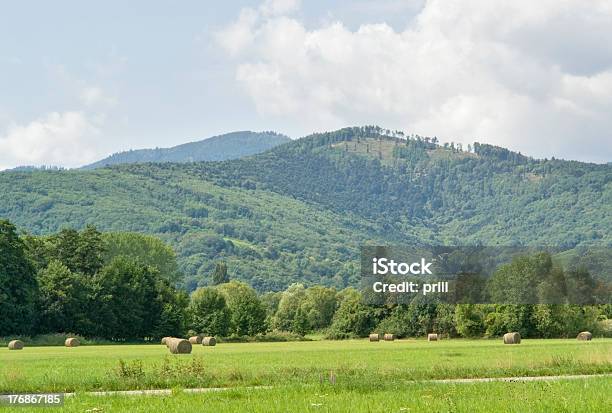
pixel 231 145
pixel 300 211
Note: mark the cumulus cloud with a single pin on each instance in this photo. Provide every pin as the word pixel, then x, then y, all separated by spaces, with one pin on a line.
pixel 236 37
pixel 279 7
pixel 67 139
pixel 533 76
pixel 239 35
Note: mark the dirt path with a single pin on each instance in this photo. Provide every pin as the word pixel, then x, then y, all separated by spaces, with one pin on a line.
pixel 166 392
pixel 513 379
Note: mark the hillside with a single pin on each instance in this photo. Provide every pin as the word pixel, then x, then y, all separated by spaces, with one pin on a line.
pixel 218 148
pixel 300 211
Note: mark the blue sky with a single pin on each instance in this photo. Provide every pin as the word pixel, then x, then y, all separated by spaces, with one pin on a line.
pixel 80 80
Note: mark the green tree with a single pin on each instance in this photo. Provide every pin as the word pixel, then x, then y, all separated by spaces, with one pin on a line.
pixel 445 320
pixel 469 320
pixel 353 318
pixel 37 251
pixel 399 322
pixel 18 287
pixel 300 324
pixel 147 249
pixel 89 252
pixel 320 305
pixel 126 298
pixel 422 313
pixel 64 247
pixel 63 300
pixel 173 317
pixel 291 300
pixel 80 252
pixel 565 320
pixel 248 315
pixel 517 282
pixel 580 286
pixel 220 275
pixel 271 301
pixel 209 312
pixel 549 320
pixel 510 317
pixel 552 289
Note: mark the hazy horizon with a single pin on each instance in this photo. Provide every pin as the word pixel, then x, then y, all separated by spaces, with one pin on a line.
pixel 196 140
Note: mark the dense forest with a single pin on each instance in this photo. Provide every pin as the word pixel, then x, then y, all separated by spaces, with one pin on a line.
pixel 299 212
pixel 119 286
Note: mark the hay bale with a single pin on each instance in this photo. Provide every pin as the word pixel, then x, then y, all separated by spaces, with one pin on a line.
pixel 178 345
pixel 196 339
pixel 512 338
pixel 164 340
pixel 72 342
pixel 585 336
pixel 209 341
pixel 388 337
pixel 432 337
pixel 15 345
pixel 374 337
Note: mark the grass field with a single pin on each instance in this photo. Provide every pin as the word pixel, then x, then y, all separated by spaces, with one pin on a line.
pixel 368 375
pixel 561 396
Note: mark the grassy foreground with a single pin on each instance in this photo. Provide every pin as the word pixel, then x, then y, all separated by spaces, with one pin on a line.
pixel 355 363
pixel 589 395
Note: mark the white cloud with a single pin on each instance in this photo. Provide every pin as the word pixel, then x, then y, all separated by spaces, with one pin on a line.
pixel 385 7
pixel 279 7
pixel 67 139
pixel 239 35
pixel 95 95
pixel 533 76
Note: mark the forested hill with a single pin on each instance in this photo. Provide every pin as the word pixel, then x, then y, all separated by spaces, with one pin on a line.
pixel 299 211
pixel 218 148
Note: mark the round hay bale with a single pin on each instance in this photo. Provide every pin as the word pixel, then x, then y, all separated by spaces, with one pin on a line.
pixel 209 341
pixel 585 336
pixel 432 337
pixel 15 345
pixel 388 337
pixel 196 339
pixel 512 338
pixel 178 345
pixel 164 340
pixel 72 342
pixel 374 337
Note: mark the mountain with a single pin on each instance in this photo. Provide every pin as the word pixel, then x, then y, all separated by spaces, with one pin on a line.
pixel 25 168
pixel 300 211
pixel 218 148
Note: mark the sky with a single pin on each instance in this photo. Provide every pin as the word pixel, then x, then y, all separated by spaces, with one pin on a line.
pixel 79 81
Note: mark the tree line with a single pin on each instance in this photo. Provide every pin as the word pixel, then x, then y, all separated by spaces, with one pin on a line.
pixel 121 286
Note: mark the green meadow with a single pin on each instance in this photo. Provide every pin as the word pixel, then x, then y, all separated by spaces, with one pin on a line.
pixel 319 375
pixel 590 395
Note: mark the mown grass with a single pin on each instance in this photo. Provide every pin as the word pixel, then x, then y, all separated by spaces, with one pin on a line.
pixel 588 395
pixel 355 363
